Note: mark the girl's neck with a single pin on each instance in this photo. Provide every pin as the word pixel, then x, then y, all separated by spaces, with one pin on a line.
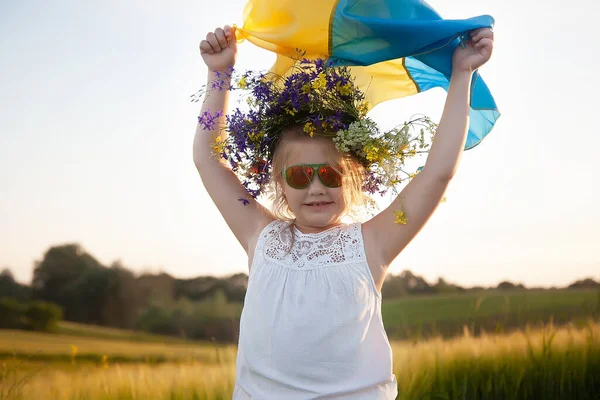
pixel 307 229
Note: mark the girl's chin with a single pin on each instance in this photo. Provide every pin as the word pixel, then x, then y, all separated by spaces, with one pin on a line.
pixel 319 220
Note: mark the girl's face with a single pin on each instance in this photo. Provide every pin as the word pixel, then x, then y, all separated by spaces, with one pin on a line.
pixel 317 206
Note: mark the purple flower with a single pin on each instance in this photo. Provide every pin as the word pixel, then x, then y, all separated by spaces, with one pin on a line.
pixel 276 104
pixel 208 121
pixel 374 184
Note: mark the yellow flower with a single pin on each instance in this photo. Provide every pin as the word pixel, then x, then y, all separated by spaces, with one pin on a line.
pixel 344 90
pixel 218 145
pixel 310 129
pixel 320 82
pixel 242 83
pixel 399 217
pixel 306 88
pixel 256 136
pixel 290 111
pixel 373 153
pixel 412 152
pixel 73 353
pixel 363 108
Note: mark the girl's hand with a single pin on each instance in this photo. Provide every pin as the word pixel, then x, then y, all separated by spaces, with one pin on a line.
pixel 476 52
pixel 219 50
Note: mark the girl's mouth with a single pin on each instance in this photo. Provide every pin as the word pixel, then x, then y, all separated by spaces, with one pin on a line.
pixel 317 206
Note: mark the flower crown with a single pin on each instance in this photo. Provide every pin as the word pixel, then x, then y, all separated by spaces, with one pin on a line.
pixel 324 100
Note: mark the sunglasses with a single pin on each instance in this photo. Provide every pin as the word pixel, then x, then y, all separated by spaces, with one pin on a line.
pixel 300 176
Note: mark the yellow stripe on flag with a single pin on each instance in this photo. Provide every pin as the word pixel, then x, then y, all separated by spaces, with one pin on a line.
pixel 282 26
pixel 384 81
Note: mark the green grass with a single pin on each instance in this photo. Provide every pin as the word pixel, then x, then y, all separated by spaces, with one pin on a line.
pixel 101 332
pixel 446 315
pixel 548 364
pixel 111 364
pixel 70 349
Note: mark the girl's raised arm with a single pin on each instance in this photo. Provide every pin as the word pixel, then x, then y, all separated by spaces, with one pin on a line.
pixel 244 215
pixel 419 199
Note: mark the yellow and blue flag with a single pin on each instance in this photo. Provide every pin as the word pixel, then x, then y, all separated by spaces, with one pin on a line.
pixel 395 48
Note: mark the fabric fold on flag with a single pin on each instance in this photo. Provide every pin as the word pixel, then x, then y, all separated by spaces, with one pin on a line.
pixel 395 48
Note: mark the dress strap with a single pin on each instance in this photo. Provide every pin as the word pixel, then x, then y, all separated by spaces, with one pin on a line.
pixel 269 233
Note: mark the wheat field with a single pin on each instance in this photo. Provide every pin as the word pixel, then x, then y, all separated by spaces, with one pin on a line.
pixel 550 363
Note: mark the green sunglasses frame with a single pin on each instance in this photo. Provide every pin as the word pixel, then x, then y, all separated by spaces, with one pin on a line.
pixel 315 170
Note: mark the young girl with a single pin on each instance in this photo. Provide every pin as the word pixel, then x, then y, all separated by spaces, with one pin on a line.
pixel 311 325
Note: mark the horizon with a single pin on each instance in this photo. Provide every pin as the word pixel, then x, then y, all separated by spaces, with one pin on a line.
pixel 138 274
pixel 97 129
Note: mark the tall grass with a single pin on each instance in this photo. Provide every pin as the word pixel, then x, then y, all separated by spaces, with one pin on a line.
pixel 543 364
pixel 546 364
pixel 136 382
pixel 57 348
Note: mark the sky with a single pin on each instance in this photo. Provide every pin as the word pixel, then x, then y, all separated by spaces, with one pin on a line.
pixel 96 131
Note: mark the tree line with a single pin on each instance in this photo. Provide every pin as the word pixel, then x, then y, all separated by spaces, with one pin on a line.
pixel 86 291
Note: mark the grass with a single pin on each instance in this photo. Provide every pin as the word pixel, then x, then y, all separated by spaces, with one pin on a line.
pixel 557 362
pixel 543 364
pixel 71 349
pixel 427 316
pixel 101 332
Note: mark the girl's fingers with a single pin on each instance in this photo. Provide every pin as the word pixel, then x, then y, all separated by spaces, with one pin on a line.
pixel 479 34
pixel 217 40
pixel 228 31
pixel 484 42
pixel 221 39
pixel 212 40
pixel 206 48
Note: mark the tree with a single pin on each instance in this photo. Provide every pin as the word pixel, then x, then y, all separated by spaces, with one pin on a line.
pixel 42 316
pixel 11 313
pixel 123 298
pixel 86 295
pixel 505 285
pixel 444 287
pixel 69 276
pixel 587 283
pixel 405 283
pixel 11 288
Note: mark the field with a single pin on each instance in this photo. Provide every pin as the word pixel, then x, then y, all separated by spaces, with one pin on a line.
pixel 553 362
pixel 446 315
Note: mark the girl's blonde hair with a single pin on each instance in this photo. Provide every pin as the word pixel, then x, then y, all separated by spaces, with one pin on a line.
pixel 353 174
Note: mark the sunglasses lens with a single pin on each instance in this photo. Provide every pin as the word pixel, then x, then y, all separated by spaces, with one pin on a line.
pixel 299 176
pixel 330 177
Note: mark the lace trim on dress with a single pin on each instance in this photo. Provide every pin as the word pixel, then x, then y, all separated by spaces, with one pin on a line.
pixel 338 245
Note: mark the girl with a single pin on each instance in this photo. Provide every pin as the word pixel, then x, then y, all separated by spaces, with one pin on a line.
pixel 311 325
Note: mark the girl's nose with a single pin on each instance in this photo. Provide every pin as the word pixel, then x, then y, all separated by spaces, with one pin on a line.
pixel 316 186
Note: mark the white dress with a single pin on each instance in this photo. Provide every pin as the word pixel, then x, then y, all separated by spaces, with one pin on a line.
pixel 311 326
